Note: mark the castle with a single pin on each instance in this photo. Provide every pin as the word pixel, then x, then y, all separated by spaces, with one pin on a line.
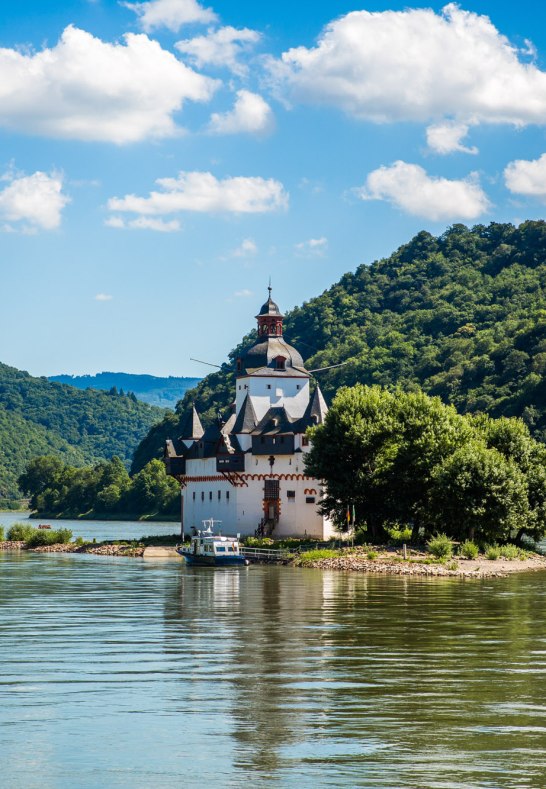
pixel 248 471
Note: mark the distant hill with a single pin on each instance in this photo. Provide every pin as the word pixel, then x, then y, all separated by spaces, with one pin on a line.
pixel 162 392
pixel 39 417
pixel 461 315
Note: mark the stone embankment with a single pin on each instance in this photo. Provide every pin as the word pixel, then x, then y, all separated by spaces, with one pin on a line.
pixel 100 550
pixel 387 564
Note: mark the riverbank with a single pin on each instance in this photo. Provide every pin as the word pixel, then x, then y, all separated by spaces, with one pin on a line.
pixel 108 517
pixel 420 563
pixel 347 560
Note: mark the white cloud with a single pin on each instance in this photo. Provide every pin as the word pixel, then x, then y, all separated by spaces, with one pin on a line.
pixel 409 187
pixel 35 201
pixel 220 47
pixel 203 192
pixel 143 223
pixel 247 248
pixel 103 297
pixel 243 294
pixel 171 14
pixel 447 137
pixel 415 65
pixel 313 247
pixel 526 177
pixel 86 89
pixel 251 114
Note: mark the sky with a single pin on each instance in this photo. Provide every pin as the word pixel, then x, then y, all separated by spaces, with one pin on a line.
pixel 161 160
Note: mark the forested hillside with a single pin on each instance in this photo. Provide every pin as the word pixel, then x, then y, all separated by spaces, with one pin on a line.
pixel 163 392
pixel 462 316
pixel 38 417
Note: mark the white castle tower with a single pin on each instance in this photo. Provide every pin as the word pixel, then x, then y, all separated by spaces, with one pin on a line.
pixel 248 471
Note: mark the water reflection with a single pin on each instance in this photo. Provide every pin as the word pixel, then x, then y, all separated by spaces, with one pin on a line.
pixel 172 676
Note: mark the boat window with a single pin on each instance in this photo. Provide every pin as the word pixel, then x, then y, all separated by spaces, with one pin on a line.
pixel 220 549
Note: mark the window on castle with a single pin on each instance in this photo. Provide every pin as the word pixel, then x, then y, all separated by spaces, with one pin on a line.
pixel 219 495
pixel 210 495
pixel 227 495
pixel 194 495
pixel 202 495
pixel 269 386
pixel 291 495
pixel 309 499
pixel 304 441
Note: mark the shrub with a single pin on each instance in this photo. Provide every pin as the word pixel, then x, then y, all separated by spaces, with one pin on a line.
pixel 440 546
pixel 492 553
pixel 21 531
pixel 1 533
pixel 399 534
pixel 452 565
pixel 79 541
pixel 469 549
pixel 372 555
pixel 47 537
pixel 509 551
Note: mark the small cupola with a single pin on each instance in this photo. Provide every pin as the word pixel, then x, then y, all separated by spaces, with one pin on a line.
pixel 270 319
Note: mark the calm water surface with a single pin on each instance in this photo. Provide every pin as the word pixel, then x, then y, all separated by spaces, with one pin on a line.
pixel 141 673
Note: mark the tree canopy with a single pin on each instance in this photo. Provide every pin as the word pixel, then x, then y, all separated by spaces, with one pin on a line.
pixel 406 458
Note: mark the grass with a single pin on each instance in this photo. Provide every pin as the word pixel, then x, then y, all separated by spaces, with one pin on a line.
pixel 308 558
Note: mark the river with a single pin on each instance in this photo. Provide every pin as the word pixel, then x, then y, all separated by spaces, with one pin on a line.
pixel 120 673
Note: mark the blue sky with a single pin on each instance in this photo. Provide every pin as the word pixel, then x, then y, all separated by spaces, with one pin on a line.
pixel 160 160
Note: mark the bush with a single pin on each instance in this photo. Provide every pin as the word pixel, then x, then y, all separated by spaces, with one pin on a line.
pixel 492 553
pixel 510 551
pixel 469 549
pixel 1 533
pixel 372 555
pixel 440 546
pixel 452 565
pixel 48 537
pixel 21 531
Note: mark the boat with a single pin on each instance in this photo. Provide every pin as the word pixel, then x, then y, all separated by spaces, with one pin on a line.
pixel 44 526
pixel 212 550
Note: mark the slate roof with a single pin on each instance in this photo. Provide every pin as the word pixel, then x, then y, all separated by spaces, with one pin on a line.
pixel 317 409
pixel 270 308
pixel 246 419
pixel 191 426
pixel 264 353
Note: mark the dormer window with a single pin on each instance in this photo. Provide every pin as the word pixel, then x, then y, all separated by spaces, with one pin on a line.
pixel 239 365
pixel 280 363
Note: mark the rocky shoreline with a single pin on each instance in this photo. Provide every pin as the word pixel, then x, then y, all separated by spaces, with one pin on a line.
pixel 351 560
pixel 389 564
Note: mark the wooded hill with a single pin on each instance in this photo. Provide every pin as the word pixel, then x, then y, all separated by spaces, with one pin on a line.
pixel 163 392
pixel 42 418
pixel 462 316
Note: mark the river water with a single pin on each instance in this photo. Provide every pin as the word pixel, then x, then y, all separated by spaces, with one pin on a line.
pixel 131 673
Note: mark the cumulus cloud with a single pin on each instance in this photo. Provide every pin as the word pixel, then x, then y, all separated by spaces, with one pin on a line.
pixel 409 187
pixel 143 223
pixel 447 138
pixel 220 47
pixel 313 247
pixel 86 89
pixel 527 177
pixel 415 65
pixel 250 114
pixel 171 14
pixel 103 297
pixel 203 192
pixel 247 248
pixel 33 202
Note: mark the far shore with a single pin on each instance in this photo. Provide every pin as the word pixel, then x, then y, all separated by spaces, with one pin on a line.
pixel 97 516
pixel 350 560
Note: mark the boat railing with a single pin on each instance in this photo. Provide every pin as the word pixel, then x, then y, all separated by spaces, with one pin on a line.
pixel 264 553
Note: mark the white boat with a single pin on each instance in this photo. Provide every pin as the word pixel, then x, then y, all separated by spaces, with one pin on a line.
pixel 213 550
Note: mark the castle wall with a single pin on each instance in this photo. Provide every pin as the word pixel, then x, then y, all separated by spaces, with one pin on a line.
pixel 273 391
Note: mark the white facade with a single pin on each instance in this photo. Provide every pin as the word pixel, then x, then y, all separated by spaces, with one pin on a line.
pixel 249 472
